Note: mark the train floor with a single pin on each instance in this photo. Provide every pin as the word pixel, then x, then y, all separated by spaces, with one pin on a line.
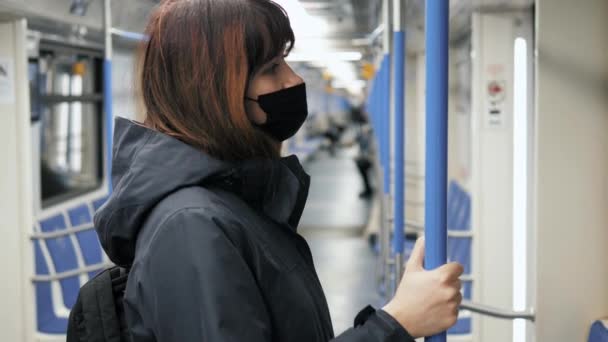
pixel 333 223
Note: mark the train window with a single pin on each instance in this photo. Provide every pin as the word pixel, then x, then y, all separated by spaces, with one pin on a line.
pixel 67 101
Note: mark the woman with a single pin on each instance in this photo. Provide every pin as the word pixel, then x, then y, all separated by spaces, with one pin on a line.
pixel 204 211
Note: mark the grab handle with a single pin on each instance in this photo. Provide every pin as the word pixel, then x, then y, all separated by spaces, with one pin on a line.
pixel 487 310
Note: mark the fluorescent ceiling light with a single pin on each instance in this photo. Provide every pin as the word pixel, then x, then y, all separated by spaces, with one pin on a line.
pixel 339 56
pixel 342 71
pixel 302 23
pixel 313 44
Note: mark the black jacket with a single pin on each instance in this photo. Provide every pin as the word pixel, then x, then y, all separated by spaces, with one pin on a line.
pixel 213 247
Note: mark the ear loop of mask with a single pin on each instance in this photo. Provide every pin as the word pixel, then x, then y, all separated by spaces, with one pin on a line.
pixel 256 101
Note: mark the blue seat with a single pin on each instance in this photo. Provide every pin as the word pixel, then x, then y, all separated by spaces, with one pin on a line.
pixel 459 248
pixel 62 253
pixel 63 256
pixel 88 241
pixel 462 327
pixel 458 208
pixel 48 322
pixel 599 332
pixel 99 202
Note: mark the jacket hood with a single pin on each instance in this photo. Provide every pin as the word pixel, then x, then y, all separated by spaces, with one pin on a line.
pixel 147 166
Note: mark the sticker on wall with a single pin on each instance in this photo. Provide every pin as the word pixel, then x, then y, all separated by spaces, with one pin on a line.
pixel 7 85
pixel 495 103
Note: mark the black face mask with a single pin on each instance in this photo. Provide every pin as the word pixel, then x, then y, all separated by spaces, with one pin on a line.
pixel 286 110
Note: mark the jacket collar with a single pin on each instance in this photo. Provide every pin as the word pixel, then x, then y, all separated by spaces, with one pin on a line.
pixel 276 188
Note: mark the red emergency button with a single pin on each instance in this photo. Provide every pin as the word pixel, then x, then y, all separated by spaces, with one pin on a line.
pixel 494 88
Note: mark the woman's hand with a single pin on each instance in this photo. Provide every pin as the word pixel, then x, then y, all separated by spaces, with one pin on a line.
pixel 426 302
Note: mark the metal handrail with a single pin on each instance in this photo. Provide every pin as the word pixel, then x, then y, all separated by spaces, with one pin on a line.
pixel 460 233
pixel 71 273
pixel 476 307
pixel 419 227
pixel 451 232
pixel 370 38
pixel 415 225
pixel 63 232
pixel 487 310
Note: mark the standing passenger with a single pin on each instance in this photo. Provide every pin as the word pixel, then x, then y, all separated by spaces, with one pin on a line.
pixel 204 211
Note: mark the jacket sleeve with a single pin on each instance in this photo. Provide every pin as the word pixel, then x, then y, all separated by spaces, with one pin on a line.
pixel 195 285
pixel 375 326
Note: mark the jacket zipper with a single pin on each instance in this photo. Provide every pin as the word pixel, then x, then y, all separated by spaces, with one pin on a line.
pixel 319 295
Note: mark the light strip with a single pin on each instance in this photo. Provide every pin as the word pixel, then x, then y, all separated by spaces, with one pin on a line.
pixel 520 183
pixel 136 36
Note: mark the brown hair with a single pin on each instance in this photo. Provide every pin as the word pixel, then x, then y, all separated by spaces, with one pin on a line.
pixel 195 67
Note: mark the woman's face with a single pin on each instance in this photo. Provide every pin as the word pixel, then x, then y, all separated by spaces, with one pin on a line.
pixel 273 76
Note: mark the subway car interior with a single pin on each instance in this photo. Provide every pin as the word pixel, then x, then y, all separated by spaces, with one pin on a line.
pixel 480 124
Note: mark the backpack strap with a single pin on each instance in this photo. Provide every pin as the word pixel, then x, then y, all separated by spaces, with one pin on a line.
pixel 119 278
pixel 94 317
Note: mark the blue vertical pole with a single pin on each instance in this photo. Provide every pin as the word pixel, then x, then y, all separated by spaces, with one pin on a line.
pixel 398 92
pixel 386 84
pixel 437 30
pixel 369 106
pixel 107 90
pixel 107 105
pixel 374 111
pixel 399 141
pixel 372 107
pixel 377 115
pixel 381 119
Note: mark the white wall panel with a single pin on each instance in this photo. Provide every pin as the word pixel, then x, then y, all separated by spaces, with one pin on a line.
pixel 16 291
pixel 572 152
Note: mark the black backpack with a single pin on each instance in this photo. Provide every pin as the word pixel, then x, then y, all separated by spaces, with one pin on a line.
pixel 99 314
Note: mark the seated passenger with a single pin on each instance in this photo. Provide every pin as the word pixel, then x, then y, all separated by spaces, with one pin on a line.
pixel 204 210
